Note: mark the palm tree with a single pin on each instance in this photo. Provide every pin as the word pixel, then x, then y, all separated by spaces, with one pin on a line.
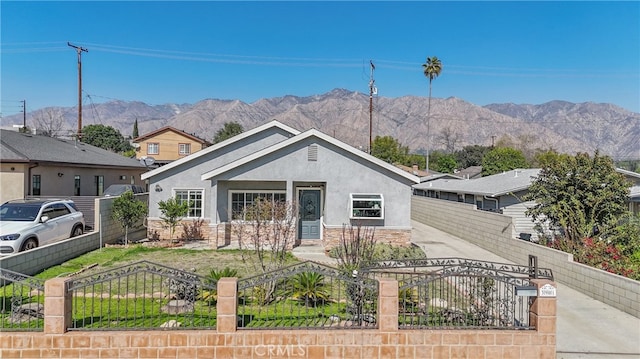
pixel 432 69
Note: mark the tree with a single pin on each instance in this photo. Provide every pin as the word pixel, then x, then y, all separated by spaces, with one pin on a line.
pixel 449 137
pixel 389 150
pixel 431 69
pixel 49 122
pixel 228 130
pixel 580 194
pixel 173 210
pixel 446 163
pixel 502 159
pixel 471 155
pixel 135 130
pixel 127 210
pixel 105 137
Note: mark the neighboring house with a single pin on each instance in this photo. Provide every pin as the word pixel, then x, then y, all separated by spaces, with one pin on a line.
pixel 499 193
pixel 333 183
pixel 414 170
pixel 167 144
pixel 634 196
pixel 33 165
pixel 502 193
pixel 471 172
pixel 634 200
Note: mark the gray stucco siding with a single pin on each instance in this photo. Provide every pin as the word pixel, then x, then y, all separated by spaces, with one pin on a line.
pixel 187 175
pixel 343 173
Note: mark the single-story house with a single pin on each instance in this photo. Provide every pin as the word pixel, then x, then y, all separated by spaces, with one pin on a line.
pixel 502 193
pixel 332 183
pixel 33 165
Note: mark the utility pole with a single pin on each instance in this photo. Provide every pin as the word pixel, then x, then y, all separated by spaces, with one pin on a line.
pixel 79 50
pixel 24 115
pixel 372 89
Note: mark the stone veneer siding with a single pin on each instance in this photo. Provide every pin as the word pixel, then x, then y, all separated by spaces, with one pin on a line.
pixel 223 234
pixel 399 237
pixel 388 341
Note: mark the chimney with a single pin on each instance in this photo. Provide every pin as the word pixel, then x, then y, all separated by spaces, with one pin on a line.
pixel 415 169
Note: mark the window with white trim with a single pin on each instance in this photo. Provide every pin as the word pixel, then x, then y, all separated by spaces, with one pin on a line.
pixel 242 199
pixel 153 148
pixel 184 148
pixel 366 205
pixel 194 197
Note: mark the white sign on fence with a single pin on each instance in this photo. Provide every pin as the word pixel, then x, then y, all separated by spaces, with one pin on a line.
pixel 547 290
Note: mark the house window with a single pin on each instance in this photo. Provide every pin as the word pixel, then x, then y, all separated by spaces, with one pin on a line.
pixel 153 148
pixel 184 148
pixel 76 185
pixel 35 185
pixel 366 205
pixel 242 199
pixel 194 197
pixel 99 181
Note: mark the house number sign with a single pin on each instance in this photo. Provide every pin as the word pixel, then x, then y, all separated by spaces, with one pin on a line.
pixel 547 290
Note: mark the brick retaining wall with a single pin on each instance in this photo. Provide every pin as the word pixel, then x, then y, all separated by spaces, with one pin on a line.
pixel 227 342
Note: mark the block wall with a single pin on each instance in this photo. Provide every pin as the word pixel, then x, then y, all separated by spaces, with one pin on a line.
pixel 493 232
pixel 388 341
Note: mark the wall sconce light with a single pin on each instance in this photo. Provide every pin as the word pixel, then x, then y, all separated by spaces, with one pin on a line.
pixel 158 188
pixel 60 174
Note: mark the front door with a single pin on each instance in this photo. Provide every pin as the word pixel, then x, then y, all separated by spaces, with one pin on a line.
pixel 309 223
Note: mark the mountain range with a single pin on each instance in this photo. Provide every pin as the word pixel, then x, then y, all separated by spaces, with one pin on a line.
pixel 346 115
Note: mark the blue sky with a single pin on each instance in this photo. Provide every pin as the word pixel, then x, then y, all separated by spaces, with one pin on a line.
pixel 183 52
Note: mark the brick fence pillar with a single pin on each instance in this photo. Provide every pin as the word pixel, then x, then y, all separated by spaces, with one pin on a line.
pixel 227 306
pixel 388 305
pixel 543 309
pixel 57 306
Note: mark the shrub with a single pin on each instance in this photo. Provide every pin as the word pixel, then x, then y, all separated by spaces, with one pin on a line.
pixel 193 230
pixel 310 288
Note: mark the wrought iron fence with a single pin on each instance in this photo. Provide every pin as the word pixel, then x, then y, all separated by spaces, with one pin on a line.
pixel 21 302
pixel 307 295
pixel 460 293
pixel 143 295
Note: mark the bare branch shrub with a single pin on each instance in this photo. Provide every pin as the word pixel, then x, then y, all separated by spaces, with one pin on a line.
pixel 193 230
pixel 357 247
pixel 266 231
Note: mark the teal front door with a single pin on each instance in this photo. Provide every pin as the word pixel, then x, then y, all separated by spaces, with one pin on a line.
pixel 309 223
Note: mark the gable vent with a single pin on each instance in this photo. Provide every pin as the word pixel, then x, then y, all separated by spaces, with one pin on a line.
pixel 313 153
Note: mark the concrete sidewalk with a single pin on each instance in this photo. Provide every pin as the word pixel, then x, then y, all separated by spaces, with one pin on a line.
pixel 586 328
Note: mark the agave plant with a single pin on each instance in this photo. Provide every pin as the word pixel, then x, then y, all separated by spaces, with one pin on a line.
pixel 209 295
pixel 309 287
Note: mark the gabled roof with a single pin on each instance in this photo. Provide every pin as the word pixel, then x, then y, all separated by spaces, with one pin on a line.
pixel 436 175
pixel 25 147
pixel 219 145
pixel 628 173
pixel 492 186
pixel 470 172
pixel 308 134
pixel 169 129
pixel 417 172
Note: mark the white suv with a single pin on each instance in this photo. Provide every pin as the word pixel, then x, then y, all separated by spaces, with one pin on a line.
pixel 28 223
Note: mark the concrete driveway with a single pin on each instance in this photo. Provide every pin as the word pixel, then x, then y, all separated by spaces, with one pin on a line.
pixel 586 328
